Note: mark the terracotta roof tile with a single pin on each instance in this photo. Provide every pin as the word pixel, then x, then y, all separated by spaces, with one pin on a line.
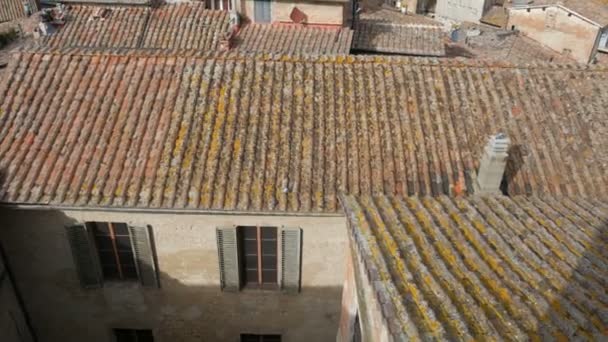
pixel 13 9
pixel 378 36
pixel 176 27
pixel 293 39
pixel 522 268
pixel 121 27
pixel 185 26
pixel 284 133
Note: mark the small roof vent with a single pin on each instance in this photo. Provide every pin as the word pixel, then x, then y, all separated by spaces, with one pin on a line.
pixel 493 164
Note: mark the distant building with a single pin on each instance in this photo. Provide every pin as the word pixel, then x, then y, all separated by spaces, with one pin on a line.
pixel 456 10
pixel 575 28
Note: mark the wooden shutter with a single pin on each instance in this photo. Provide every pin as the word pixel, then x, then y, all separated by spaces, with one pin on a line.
pixel 85 256
pixel 228 255
pixel 291 259
pixel 144 256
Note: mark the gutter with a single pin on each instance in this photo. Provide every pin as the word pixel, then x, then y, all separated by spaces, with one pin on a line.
pixel 25 206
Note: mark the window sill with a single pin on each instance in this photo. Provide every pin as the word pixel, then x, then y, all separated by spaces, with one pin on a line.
pixel 273 288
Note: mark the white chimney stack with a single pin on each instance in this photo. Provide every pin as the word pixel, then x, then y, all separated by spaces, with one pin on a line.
pixel 492 165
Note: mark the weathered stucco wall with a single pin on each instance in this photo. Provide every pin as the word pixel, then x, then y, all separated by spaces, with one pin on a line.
pixel 556 29
pixel 320 13
pixel 190 305
pixel 359 297
pixel 461 10
pixel 13 327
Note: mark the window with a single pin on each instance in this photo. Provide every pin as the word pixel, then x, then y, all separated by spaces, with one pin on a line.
pixel 258 256
pixel 113 244
pixel 113 251
pixel 133 335
pixel 260 338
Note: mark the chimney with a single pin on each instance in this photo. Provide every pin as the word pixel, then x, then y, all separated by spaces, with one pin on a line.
pixel 492 165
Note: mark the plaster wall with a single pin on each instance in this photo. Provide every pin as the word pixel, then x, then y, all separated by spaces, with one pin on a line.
pixel 557 29
pixel 317 13
pixel 189 306
pixel 461 10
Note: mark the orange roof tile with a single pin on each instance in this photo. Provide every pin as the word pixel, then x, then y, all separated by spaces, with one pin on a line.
pixel 281 133
pixel 14 9
pixel 293 39
pixel 465 269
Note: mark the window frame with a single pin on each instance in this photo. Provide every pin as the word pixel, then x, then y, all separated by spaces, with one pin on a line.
pixel 93 225
pixel 259 284
pixel 260 337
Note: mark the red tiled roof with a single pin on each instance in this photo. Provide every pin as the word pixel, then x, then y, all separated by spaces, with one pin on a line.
pixel 13 9
pixel 284 133
pixel 378 36
pixel 293 39
pixel 484 269
pixel 122 27
pixel 184 26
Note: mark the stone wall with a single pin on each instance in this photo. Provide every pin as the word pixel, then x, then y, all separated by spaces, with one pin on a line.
pixel 557 29
pixel 189 306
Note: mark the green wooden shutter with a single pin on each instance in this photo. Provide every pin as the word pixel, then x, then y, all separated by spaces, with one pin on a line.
pixel 291 259
pixel 144 256
pixel 85 256
pixel 228 255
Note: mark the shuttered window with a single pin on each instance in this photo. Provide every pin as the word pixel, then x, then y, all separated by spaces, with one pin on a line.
pixel 115 250
pixel 248 256
pixel 106 251
pixel 260 338
pixel 259 256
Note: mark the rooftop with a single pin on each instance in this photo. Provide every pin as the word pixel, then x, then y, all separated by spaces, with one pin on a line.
pixel 521 268
pixel 595 10
pixel 183 26
pixel 386 30
pixel 288 134
pixel 14 9
pixel 188 27
pixel 293 39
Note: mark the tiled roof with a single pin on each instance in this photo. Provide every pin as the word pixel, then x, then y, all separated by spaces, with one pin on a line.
pixel 293 39
pixel 176 27
pixel 378 36
pixel 280 133
pixel 185 26
pixel 386 14
pixel 122 27
pixel 485 269
pixel 111 2
pixel 596 10
pixel 13 9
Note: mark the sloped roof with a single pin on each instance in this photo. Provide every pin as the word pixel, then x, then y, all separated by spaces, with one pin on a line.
pixel 464 269
pixel 281 133
pixel 377 36
pixel 176 27
pixel 390 31
pixel 596 10
pixel 185 26
pixel 122 27
pixel 13 9
pixel 293 39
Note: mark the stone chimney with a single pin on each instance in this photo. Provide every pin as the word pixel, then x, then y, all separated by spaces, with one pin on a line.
pixel 492 165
